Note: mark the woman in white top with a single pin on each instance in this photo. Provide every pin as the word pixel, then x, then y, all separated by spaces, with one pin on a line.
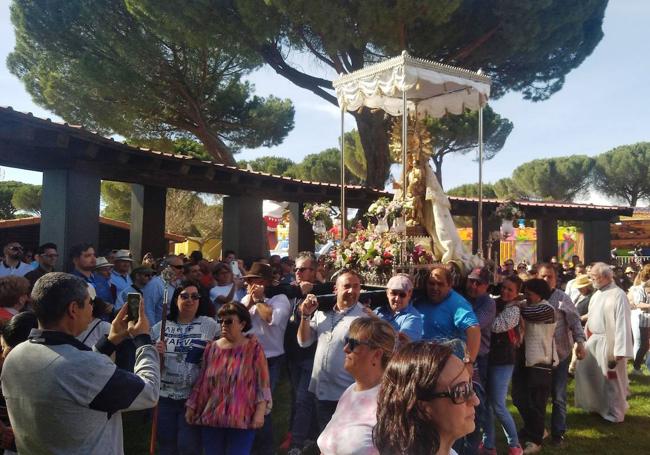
pixel 426 401
pixel 368 348
pixel 187 331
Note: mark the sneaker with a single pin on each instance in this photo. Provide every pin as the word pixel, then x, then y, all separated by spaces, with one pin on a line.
pixel 515 450
pixel 482 450
pixel 531 447
pixel 636 372
pixel 610 418
pixel 546 434
pixel 286 443
pixel 294 451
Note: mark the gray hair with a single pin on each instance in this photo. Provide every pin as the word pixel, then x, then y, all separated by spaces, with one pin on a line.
pixel 53 293
pixel 303 255
pixel 602 269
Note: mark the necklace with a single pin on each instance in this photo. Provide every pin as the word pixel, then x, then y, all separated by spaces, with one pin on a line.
pixel 335 321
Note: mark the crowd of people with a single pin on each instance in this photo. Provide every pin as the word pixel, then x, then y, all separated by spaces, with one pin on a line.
pixel 423 366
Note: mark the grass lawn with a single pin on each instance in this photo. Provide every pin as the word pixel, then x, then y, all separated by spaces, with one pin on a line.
pixel 588 434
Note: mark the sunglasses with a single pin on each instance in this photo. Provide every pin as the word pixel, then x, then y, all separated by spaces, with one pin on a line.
pixel 353 343
pixel 458 394
pixel 401 294
pixel 225 321
pixel 53 255
pixel 16 248
pixel 302 269
pixel 177 267
pixel 187 296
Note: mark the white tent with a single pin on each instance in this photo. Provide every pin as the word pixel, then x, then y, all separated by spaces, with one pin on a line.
pixel 419 87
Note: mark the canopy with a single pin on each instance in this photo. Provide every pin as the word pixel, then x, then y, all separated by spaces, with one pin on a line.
pixel 431 88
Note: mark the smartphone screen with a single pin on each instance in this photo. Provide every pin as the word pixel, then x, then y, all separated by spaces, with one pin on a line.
pixel 133 305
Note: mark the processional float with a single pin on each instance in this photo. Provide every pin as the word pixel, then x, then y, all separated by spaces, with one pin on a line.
pixel 414 88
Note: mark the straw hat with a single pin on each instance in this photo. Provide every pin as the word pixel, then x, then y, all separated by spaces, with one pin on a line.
pixel 582 281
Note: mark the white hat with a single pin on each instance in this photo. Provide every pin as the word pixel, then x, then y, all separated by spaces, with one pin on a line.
pixel 400 283
pixel 122 255
pixel 102 263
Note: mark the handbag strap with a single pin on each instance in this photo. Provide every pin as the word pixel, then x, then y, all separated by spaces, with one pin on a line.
pixel 91 331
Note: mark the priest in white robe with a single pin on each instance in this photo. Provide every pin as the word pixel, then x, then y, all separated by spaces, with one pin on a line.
pixel 601 377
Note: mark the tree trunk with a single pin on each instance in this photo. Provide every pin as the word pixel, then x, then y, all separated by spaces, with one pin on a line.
pixel 373 130
pixel 437 163
pixel 215 146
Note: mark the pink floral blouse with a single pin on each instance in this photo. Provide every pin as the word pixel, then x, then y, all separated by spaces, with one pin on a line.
pixel 231 383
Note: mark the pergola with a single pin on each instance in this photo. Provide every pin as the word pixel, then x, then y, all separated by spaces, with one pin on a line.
pixel 74 160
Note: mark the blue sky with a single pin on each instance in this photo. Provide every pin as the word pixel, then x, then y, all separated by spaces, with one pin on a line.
pixel 603 104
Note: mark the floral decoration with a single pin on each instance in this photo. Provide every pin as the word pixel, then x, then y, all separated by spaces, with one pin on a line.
pixel 508 210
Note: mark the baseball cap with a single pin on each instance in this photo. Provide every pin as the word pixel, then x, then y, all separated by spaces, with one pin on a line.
pixel 400 283
pixel 481 274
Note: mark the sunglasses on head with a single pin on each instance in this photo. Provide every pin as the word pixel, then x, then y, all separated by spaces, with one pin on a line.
pixel 458 393
pixel 302 269
pixel 353 343
pixel 187 295
pixel 225 321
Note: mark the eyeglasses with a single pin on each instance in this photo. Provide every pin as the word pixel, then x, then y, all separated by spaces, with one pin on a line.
pixel 302 269
pixel 52 255
pixel 225 321
pixel 458 393
pixel 186 296
pixel 353 343
pixel 394 293
pixel 16 248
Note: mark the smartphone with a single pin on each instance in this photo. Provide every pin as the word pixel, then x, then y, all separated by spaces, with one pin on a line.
pixel 235 268
pixel 133 305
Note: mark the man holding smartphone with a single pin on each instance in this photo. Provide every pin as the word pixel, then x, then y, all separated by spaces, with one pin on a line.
pixel 64 398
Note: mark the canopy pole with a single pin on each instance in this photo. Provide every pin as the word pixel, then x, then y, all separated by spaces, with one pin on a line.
pixel 404 143
pixel 480 182
pixel 342 205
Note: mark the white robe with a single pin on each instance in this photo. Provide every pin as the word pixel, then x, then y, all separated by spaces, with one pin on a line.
pixel 599 388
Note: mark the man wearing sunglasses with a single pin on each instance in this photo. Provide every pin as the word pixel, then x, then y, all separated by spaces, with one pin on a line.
pixel 399 312
pixel 47 256
pixel 12 261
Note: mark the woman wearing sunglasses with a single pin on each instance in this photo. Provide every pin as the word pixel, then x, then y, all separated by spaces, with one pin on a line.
pixel 233 392
pixel 426 401
pixel 368 348
pixel 187 330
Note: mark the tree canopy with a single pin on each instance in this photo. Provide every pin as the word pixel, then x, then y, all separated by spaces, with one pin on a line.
pixel 7 190
pixel 341 37
pixel 623 173
pixel 471 190
pixel 27 199
pixel 560 179
pixel 270 164
pixel 95 63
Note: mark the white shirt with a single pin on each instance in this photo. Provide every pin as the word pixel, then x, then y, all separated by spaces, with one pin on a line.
pixel 328 378
pixel 20 270
pixel 271 335
pixel 349 432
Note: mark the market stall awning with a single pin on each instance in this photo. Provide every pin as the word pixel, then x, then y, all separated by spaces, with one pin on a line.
pixel 431 88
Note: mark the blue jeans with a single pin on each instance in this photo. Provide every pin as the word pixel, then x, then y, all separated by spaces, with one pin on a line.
pixel 302 401
pixel 227 441
pixel 558 395
pixel 497 391
pixel 175 435
pixel 264 441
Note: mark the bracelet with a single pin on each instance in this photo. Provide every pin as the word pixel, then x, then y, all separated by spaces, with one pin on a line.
pixel 306 317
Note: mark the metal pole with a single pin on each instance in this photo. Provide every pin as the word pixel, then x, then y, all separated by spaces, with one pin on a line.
pixel 404 143
pixel 342 205
pixel 480 182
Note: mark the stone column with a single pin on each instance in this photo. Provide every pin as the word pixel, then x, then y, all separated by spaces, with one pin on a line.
pixel 70 210
pixel 546 238
pixel 244 229
pixel 598 241
pixel 301 234
pixel 147 233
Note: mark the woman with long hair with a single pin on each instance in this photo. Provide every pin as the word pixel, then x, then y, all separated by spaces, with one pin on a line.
pixel 501 362
pixel 187 331
pixel 369 346
pixel 426 401
pixel 233 392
